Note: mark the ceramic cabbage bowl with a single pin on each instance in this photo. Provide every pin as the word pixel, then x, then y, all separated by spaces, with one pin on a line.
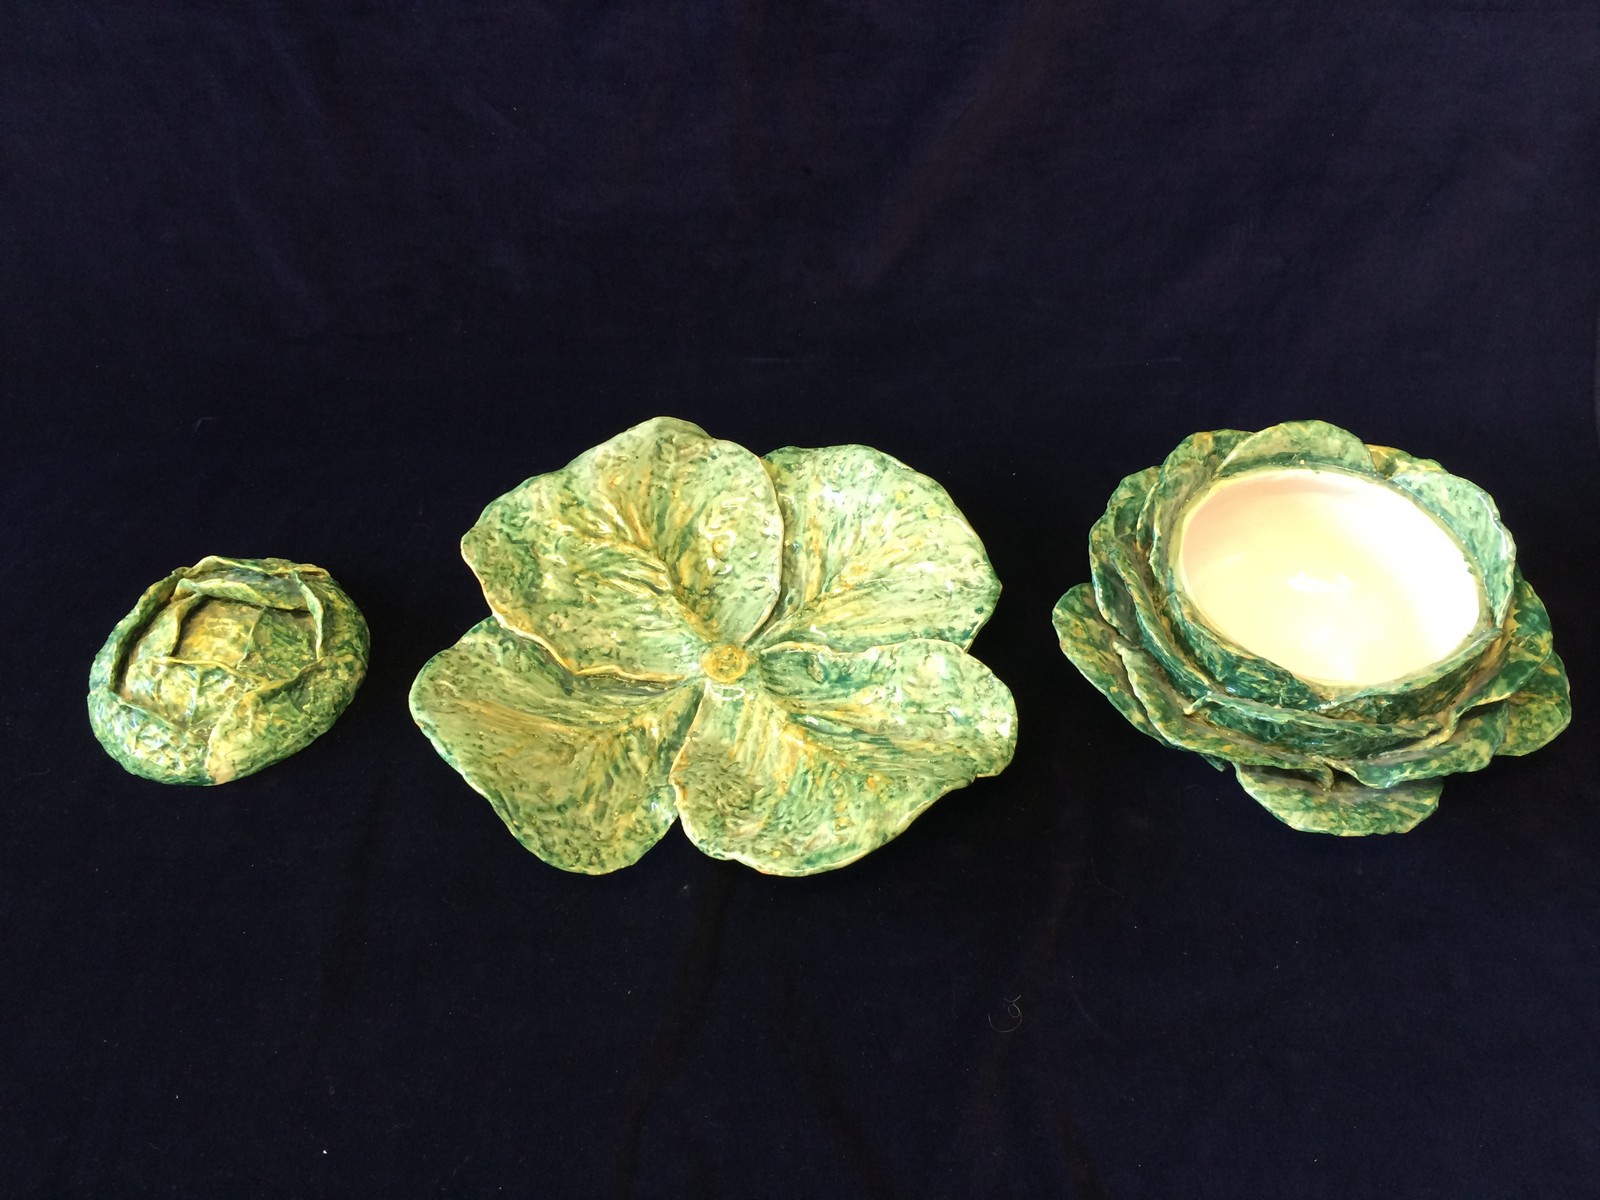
pixel 771 651
pixel 1342 624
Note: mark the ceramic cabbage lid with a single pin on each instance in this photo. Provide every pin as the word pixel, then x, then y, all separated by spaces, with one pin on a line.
pixel 226 667
pixel 771 651
pixel 1436 663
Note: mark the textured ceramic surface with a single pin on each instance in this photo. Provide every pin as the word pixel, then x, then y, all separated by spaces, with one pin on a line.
pixel 225 667
pixel 1322 757
pixel 772 650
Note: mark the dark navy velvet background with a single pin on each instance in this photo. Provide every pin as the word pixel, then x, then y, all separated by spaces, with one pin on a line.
pixel 320 280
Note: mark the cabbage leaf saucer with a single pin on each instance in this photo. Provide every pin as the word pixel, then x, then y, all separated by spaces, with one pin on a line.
pixel 771 650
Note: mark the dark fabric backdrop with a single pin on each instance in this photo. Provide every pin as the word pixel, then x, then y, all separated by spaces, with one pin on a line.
pixel 320 280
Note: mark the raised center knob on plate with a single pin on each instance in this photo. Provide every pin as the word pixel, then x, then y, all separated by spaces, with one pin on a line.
pixel 725 663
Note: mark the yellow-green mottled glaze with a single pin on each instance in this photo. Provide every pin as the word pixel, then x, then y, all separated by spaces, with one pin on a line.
pixel 226 667
pixel 772 649
pixel 1348 762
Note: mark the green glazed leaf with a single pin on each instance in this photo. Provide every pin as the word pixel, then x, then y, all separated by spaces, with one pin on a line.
pixel 1310 732
pixel 290 712
pixel 248 586
pixel 226 667
pixel 1387 461
pixel 576 766
pixel 1346 809
pixel 1090 643
pixel 1179 725
pixel 828 756
pixel 1116 555
pixel 147 744
pixel 919 702
pixel 1299 444
pixel 873 553
pixel 1469 746
pixel 1128 597
pixel 1468 512
pixel 1527 644
pixel 1540 711
pixel 1192 465
pixel 638 555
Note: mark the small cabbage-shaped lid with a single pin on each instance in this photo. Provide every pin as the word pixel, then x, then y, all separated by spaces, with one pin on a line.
pixel 225 667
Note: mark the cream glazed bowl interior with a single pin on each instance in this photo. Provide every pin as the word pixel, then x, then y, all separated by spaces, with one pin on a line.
pixel 1338 578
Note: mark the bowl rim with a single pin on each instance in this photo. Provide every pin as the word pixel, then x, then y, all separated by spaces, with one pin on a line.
pixel 1482 632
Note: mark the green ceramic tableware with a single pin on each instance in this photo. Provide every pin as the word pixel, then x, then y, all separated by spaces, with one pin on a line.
pixel 226 667
pixel 772 651
pixel 1335 755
